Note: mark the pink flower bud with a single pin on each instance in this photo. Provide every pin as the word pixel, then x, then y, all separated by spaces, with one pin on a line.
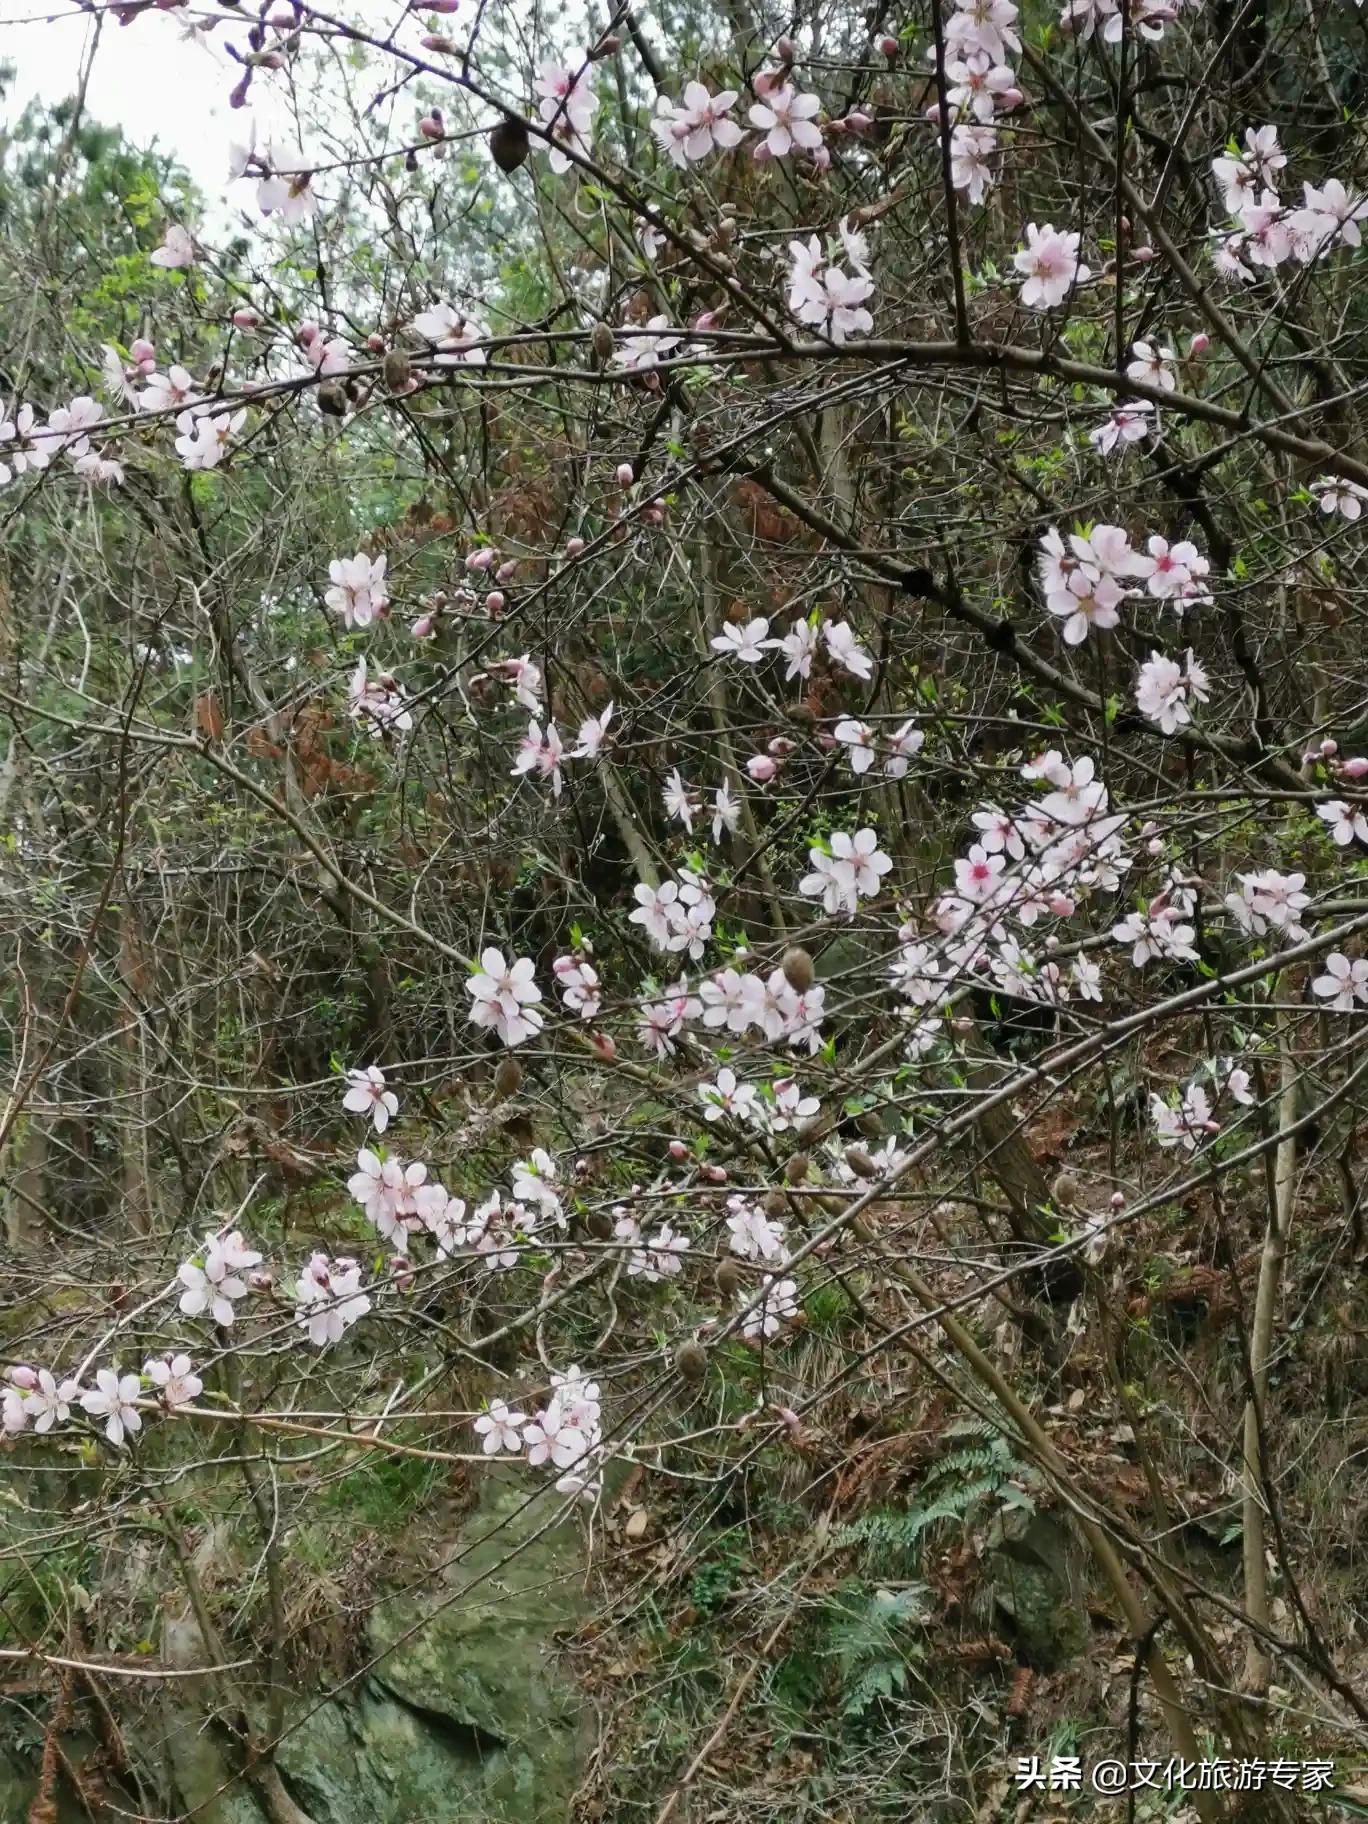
pixel 781 747
pixel 1061 904
pixel 430 127
pixel 573 546
pixel 786 51
pixel 626 475
pixel 261 1282
pixel 821 158
pixel 496 601
pixel 761 768
pixel 246 318
pixel 506 570
pixel 1199 345
pixel 143 352
pixel 484 558
pixel 715 1174
pixel 1357 768
pixel 705 320
pixel 605 1046
pixel 1118 1200
pixel 307 335
pixel 761 153
pixel 375 343
pixel 858 122
pixel 1052 942
pixel 1311 756
pixel 1141 255
pixel 768 80
pixel 433 41
pixel 26 1378
pixel 1009 99
pixel 827 741
pixel 678 1150
pixel 654 514
pixel 1329 749
pixel 272 60
pixel 887 46
pixel 424 627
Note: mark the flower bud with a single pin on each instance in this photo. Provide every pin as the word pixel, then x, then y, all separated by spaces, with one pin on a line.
pixel 433 41
pixel 1329 749
pixel 506 570
pixel 691 1361
pixel 786 51
pixel 761 768
pixel 438 6
pixel 857 121
pixel 860 1162
pixel 1199 345
pixel 888 46
pixel 495 602
pixel 397 371
pixel 1356 768
pixel 307 335
pixel 599 1224
pixel 605 1046
pixel 761 153
pixel 715 1174
pixel 424 627
pixel 602 341
pixel 508 144
pixel 24 1377
pixel 626 475
pixel 1118 1200
pixel 508 1076
pixel 678 1150
pixel 483 558
pixel 1065 1191
pixel 728 1277
pixel 430 126
pixel 798 969
pixel 246 318
pixel 262 1281
pixel 797 1168
pixel 607 46
pixel 143 353
pixel 573 546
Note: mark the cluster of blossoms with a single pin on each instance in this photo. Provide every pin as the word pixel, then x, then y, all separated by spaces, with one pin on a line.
pixel 651 1258
pixel 1191 1120
pixel 566 1433
pixel 566 108
pixel 823 293
pixel 739 1003
pixel 845 870
pixel 27 447
pixel 980 85
pixel 1269 901
pixel 749 641
pixel 579 984
pixel 36 1397
pixel 1269 231
pixel 505 997
pixel 863 746
pixel 1038 861
pixel 1166 690
pixel 1162 929
pixel 683 805
pixel 782 1108
pixel 1147 18
pixel 676 916
pixel 1083 580
pixel 541 751
pixel 458 339
pixel 377 701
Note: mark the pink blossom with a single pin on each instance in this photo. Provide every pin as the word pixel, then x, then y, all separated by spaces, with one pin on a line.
pixel 359 593
pixel 788 120
pixel 1049 265
pixel 504 997
pixel 367 1095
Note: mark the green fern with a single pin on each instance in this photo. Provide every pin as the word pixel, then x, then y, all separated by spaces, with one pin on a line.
pixel 978 1472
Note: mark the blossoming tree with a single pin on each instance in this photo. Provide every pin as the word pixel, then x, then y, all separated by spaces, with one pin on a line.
pixel 684 753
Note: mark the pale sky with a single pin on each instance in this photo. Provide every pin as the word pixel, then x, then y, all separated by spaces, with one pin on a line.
pixel 148 79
